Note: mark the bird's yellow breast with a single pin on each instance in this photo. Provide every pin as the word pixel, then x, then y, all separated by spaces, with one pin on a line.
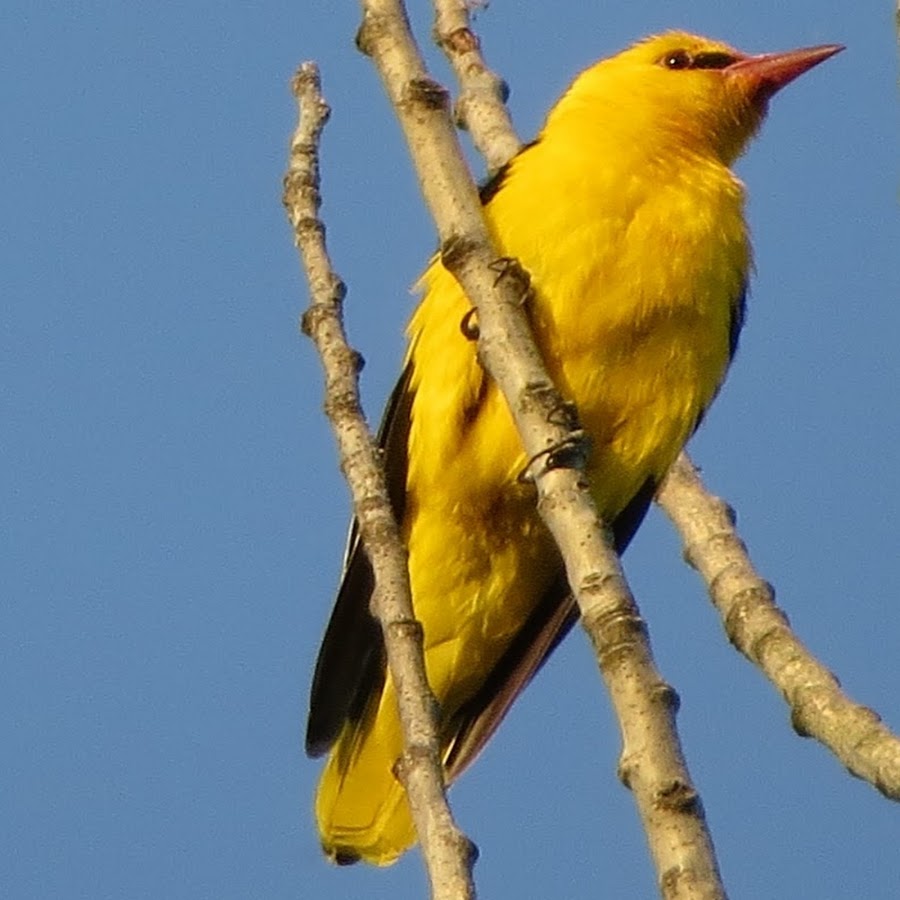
pixel 636 274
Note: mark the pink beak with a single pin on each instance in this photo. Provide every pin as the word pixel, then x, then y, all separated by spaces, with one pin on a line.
pixel 768 73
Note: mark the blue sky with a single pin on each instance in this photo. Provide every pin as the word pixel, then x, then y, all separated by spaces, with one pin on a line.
pixel 172 515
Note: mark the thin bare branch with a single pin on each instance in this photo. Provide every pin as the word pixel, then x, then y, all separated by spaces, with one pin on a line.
pixel 448 853
pixel 670 808
pixel 760 630
pixel 481 105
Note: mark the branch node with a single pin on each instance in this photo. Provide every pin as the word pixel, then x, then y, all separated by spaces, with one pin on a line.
pixel 454 251
pixel 677 797
pixel 626 767
pixel 460 40
pixel 668 696
pixel 618 628
pixel 372 28
pixel 428 93
pixel 309 227
pixel 407 629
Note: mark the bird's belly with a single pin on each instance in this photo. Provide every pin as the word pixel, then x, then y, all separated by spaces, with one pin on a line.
pixel 476 574
pixel 640 407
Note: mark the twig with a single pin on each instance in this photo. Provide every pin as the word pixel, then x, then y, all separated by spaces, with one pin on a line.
pixel 668 803
pixel 448 853
pixel 481 106
pixel 760 630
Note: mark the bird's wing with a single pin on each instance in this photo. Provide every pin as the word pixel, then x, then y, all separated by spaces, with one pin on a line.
pixel 350 667
pixel 472 726
pixel 351 663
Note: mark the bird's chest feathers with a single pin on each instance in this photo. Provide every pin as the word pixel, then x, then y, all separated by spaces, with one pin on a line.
pixel 633 304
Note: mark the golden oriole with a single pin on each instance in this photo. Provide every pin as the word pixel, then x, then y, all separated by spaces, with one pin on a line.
pixel 628 218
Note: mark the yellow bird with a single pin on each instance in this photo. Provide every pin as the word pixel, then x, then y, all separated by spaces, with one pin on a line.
pixel 629 220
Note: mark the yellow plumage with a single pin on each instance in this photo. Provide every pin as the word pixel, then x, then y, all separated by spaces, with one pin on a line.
pixel 630 222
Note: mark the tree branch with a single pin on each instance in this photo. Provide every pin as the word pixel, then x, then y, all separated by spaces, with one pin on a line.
pixel 481 105
pixel 760 630
pixel 448 853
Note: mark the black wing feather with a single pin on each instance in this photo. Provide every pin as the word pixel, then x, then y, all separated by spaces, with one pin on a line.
pixel 351 662
pixel 738 314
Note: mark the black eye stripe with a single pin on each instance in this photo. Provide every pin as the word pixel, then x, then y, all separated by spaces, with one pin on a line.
pixel 711 59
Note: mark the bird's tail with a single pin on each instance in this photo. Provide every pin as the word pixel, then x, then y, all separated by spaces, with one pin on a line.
pixel 361 807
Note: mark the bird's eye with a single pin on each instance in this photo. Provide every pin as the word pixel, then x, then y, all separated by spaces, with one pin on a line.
pixel 677 59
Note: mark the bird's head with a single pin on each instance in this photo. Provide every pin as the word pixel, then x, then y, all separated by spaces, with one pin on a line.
pixel 700 93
